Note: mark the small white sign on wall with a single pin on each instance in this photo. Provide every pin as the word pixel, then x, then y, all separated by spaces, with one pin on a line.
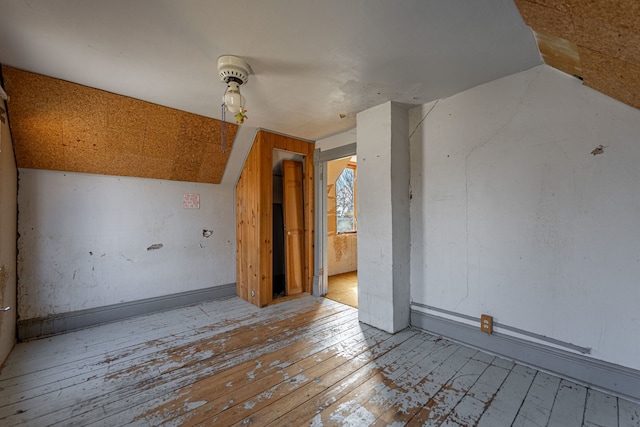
pixel 191 201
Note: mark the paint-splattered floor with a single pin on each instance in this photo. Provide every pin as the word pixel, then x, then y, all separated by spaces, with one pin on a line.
pixel 303 362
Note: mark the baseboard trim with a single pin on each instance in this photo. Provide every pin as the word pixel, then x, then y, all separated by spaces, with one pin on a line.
pixel 65 322
pixel 619 380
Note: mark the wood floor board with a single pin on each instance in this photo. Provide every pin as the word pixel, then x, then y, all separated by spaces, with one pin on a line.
pixel 345 368
pixel 536 408
pixel 366 400
pixel 503 363
pixel 628 413
pixel 568 408
pixel 406 396
pixel 507 402
pixel 100 376
pixel 171 328
pixel 159 389
pixel 246 406
pixel 600 410
pixel 229 388
pixel 340 382
pixel 166 323
pixel 116 360
pixel 253 376
pixel 307 361
pixel 468 411
pixel 112 397
pixel 415 408
pixel 159 366
pixel 343 288
pixel 163 322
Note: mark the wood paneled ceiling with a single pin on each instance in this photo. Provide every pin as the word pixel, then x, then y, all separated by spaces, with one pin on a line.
pixel 595 40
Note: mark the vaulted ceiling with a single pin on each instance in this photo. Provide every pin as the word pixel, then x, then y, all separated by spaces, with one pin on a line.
pixel 315 64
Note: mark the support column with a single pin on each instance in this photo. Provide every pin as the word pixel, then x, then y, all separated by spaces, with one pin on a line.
pixel 383 217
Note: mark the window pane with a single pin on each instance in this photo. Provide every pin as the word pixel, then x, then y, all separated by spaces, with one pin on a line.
pixel 345 201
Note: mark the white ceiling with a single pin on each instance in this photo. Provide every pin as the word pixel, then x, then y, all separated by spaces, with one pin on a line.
pixel 316 63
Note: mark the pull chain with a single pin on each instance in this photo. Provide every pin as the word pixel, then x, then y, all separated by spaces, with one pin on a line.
pixel 223 133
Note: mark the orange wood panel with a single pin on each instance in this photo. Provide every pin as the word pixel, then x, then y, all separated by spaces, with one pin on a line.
pixel 58 125
pixel 294 226
pixel 254 217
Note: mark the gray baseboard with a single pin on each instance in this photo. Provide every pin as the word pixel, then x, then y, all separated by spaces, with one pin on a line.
pixel 619 380
pixel 65 322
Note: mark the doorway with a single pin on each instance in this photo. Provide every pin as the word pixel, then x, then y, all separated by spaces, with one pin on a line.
pixel 254 218
pixel 288 224
pixel 342 230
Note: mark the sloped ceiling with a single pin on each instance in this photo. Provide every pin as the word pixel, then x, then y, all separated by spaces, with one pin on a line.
pixel 63 126
pixel 315 64
pixel 596 40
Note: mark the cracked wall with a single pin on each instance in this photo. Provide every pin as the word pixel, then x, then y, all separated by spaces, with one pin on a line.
pixel 513 216
pixel 93 240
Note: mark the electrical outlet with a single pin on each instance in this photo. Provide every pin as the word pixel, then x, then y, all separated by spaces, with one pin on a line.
pixel 486 323
pixel 253 293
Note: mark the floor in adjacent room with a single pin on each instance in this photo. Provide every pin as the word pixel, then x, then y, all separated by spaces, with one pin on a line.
pixel 344 288
pixel 306 361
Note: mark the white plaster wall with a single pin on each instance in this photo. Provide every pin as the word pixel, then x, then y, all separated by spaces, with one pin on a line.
pixel 383 216
pixel 512 216
pixel 338 140
pixel 8 198
pixel 400 219
pixel 375 250
pixel 84 238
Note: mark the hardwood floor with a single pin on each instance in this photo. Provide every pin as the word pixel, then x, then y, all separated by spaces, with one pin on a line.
pixel 306 361
pixel 344 288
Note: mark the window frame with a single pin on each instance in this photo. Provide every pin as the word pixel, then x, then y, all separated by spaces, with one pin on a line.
pixel 354 167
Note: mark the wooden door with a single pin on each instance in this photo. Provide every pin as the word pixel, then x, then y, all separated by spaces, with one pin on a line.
pixel 293 226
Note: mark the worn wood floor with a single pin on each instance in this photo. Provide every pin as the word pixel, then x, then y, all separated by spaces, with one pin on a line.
pixel 343 288
pixel 302 362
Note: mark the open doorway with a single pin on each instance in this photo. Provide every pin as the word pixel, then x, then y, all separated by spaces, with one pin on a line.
pixel 342 231
pixel 288 224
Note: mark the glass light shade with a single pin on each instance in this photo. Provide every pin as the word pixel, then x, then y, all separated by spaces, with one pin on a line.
pixel 232 99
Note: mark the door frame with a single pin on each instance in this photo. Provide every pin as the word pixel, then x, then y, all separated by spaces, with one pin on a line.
pixel 320 160
pixel 254 216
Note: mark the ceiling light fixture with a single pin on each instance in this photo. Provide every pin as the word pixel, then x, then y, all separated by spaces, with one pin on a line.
pixel 234 72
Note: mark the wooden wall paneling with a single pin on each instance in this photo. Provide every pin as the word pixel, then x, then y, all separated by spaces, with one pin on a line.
pixel 309 216
pixel 255 226
pixel 306 149
pixel 254 217
pixel 266 217
pixel 241 224
pixel 293 207
pixel 247 226
pixel 559 53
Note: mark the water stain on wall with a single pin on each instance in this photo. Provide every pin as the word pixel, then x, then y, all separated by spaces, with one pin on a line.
pixel 339 246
